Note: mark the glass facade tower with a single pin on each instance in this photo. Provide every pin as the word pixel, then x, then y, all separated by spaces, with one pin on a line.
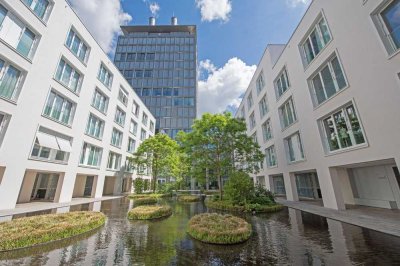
pixel 160 62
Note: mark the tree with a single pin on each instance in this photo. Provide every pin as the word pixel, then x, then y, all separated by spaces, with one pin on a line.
pixel 219 143
pixel 160 155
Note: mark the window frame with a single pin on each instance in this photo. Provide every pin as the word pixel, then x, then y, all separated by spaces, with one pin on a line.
pixel 115 116
pixel 300 148
pixel 106 102
pixel 120 138
pixel 294 114
pixel 124 99
pixel 111 76
pixel 83 153
pixel 267 122
pixel 20 82
pixel 46 14
pixel 260 82
pixel 74 70
pixel 272 148
pixel 282 73
pixel 65 98
pixel 82 42
pixel 101 129
pixel 263 111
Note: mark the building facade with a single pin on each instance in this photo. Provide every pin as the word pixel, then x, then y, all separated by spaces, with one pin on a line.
pixel 160 62
pixel 324 107
pixel 68 119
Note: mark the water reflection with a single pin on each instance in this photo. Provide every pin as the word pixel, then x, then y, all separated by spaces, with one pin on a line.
pixel 288 237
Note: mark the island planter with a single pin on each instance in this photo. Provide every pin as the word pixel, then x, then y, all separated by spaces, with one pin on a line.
pixel 248 208
pixel 149 212
pixel 152 195
pixel 220 229
pixel 144 201
pixel 189 198
pixel 42 229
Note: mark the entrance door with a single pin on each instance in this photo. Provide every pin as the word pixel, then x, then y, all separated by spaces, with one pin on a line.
pixel 45 186
pixel 88 186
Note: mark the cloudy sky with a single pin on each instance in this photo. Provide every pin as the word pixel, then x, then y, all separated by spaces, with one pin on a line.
pixel 232 35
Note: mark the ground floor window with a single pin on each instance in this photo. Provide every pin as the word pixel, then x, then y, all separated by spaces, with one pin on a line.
pixel 308 186
pixel 45 186
pixel 279 185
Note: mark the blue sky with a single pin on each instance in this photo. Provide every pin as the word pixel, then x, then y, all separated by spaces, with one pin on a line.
pixel 232 36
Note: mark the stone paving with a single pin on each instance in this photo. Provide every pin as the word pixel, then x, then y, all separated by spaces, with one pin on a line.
pixel 381 220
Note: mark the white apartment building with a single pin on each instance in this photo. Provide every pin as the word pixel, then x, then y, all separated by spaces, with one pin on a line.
pixel 68 119
pixel 324 107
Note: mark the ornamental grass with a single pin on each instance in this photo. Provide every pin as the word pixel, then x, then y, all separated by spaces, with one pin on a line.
pixel 153 195
pixel 188 198
pixel 144 201
pixel 149 212
pixel 215 228
pixel 35 230
pixel 228 206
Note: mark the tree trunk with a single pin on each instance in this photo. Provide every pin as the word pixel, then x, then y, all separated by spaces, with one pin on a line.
pixel 220 186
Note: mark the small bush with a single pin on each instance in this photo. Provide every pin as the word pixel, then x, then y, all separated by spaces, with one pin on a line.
pixel 250 207
pixel 31 231
pixel 149 212
pixel 144 201
pixel 219 229
pixel 239 188
pixel 262 196
pixel 146 185
pixel 138 184
pixel 188 198
pixel 166 188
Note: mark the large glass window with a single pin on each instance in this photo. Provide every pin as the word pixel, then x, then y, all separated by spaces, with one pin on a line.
pixel 4 119
pixel 114 161
pixel 135 109
pixel 143 135
pixel 282 84
pixel 252 121
pixel 391 19
pixel 316 41
pixel 120 117
pixel 77 46
pixel 328 81
pixel 343 129
pixel 116 138
pixel 270 156
pixel 260 83
pixel 250 101
pixel 133 126
pixel 68 76
pixel 267 130
pixel 105 76
pixel 294 148
pixel 123 96
pixel 39 7
pixel 10 79
pixel 287 113
pixel 145 118
pixel 95 127
pixel 91 155
pixel 59 108
pixel 131 145
pixel 100 101
pixel 263 105
pixel 49 147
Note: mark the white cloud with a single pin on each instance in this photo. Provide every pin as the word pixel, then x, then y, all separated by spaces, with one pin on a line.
pixel 154 8
pixel 223 87
pixel 103 19
pixel 214 9
pixel 296 3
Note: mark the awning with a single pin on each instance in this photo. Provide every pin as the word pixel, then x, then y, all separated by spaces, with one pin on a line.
pixel 64 144
pixel 47 141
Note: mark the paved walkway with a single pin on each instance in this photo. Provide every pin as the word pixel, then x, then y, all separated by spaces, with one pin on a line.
pixel 381 220
pixel 41 206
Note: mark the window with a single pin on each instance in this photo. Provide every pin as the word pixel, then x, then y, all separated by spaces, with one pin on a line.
pixel 14 32
pixel 260 83
pixel 282 84
pixel 4 119
pixel 105 76
pixel 100 101
pixel 150 56
pixel 316 41
pixel 167 92
pixel 131 145
pixel 10 79
pixel 148 73
pixel 139 73
pixel 135 109
pixel 294 148
pixel 140 57
pixel 77 46
pixel 343 129
pixel 254 137
pixel 91 155
pixel 114 161
pixel 143 135
pixel 287 114
pixel 116 138
pixel 252 121
pixel 145 119
pixel 389 18
pixel 270 156
pixel 249 101
pixel 120 117
pixel 133 127
pixel 39 7
pixel 242 112
pixel 59 108
pixel 49 147
pixel 68 76
pixel 152 126
pixel 123 96
pixel 95 127
pixel 263 106
pixel 267 130
pixel 328 81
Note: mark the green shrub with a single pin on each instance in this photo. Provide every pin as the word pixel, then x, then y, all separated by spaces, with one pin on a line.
pixel 219 229
pixel 188 198
pixel 239 188
pixel 148 195
pixel 149 212
pixel 138 184
pixel 166 188
pixel 146 185
pixel 30 231
pixel 250 207
pixel 262 196
pixel 144 201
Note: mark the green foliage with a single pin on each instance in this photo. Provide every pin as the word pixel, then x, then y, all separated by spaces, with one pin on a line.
pixel 145 201
pixel 188 198
pixel 166 188
pixel 262 196
pixel 219 229
pixel 219 143
pixel 148 195
pixel 146 185
pixel 30 231
pixel 239 189
pixel 138 184
pixel 149 212
pixel 225 205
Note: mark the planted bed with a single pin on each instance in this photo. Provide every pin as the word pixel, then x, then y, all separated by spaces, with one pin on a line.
pixel 149 212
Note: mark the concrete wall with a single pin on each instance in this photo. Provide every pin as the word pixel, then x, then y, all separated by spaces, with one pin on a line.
pixel 79 187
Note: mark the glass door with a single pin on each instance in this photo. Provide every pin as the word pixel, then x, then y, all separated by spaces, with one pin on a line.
pixel 88 186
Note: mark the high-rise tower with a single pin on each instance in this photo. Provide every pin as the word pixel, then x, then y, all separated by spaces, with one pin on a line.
pixel 160 62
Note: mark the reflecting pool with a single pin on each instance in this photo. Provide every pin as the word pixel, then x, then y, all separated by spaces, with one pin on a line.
pixel 287 237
